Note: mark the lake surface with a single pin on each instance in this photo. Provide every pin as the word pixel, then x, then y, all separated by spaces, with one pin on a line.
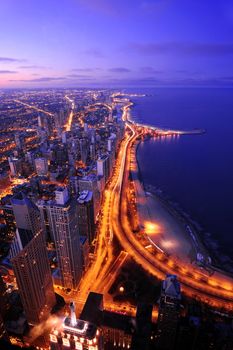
pixel 194 170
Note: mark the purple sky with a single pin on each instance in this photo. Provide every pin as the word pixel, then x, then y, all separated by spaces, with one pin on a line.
pixel 116 43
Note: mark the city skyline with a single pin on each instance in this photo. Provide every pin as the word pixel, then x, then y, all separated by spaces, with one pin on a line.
pixel 105 43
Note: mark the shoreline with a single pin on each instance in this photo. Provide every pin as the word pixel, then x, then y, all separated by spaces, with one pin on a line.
pixel 195 230
pixel 202 241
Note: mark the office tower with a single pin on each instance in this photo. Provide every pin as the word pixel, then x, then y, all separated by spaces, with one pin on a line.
pixel 168 317
pixel 40 121
pixel 3 298
pixel 15 166
pixel 60 155
pixel 43 139
pixel 93 136
pixel 64 137
pixel 4 306
pixel 117 329
pixel 89 183
pixel 74 184
pixel 83 143
pixel 63 225
pixel 103 167
pixel 41 165
pixel 85 127
pixel 30 264
pixel 85 211
pixel 76 334
pixel 19 141
pixel 85 250
pixel 8 215
pixel 30 157
pixel 142 337
pixel 92 152
pixel 111 143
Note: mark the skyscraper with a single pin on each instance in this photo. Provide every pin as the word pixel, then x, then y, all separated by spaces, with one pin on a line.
pixel 83 150
pixel 63 225
pixel 15 166
pixel 89 183
pixel 3 308
pixel 30 263
pixel 168 313
pixel 19 141
pixel 41 165
pixel 103 167
pixel 85 210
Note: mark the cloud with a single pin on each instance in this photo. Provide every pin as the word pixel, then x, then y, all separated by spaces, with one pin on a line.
pixel 94 52
pixel 10 60
pixel 187 48
pixel 119 70
pixel 40 80
pixel 85 69
pixel 149 70
pixel 80 76
pixel 8 72
pixel 34 66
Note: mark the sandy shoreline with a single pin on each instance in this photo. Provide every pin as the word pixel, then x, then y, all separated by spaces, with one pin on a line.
pixel 165 231
pixel 170 225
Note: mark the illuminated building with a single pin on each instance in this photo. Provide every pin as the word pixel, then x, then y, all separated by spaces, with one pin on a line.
pixel 76 334
pixel 111 143
pixel 61 217
pixel 89 183
pixel 7 212
pixel 30 264
pixel 3 333
pixel 15 166
pixel 83 143
pixel 103 167
pixel 3 308
pixel 168 313
pixel 41 165
pixel 64 136
pixel 19 141
pixel 117 329
pixel 73 184
pixel 85 211
pixel 92 152
pixel 85 249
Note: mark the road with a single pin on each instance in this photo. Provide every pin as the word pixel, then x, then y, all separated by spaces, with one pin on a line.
pixel 70 118
pixel 34 107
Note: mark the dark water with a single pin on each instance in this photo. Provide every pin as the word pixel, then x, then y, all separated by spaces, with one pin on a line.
pixel 196 171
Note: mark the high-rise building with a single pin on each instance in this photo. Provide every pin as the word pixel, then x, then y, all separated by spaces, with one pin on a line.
pixel 15 166
pixel 92 152
pixel 169 312
pixel 103 167
pixel 30 263
pixel 90 183
pixel 76 334
pixel 85 210
pixel 41 165
pixel 61 216
pixel 85 250
pixel 83 150
pixel 19 141
pixel 3 333
pixel 3 308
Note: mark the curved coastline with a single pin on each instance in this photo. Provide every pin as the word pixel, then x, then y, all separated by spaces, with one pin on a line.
pixel 193 229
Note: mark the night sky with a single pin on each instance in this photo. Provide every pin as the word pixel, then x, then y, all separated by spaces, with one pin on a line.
pixel 116 43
